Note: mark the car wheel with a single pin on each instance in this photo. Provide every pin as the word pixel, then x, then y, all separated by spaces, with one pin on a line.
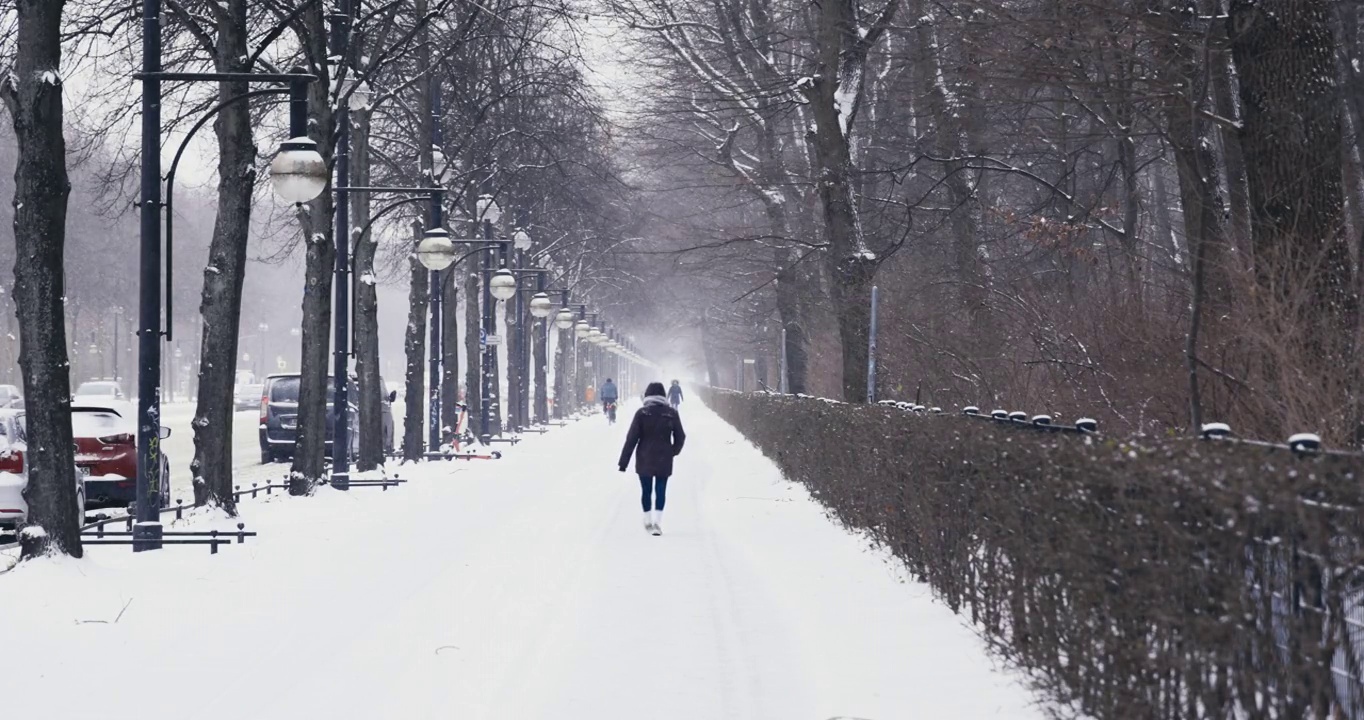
pixel 266 457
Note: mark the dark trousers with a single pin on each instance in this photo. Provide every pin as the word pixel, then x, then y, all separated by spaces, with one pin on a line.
pixel 653 489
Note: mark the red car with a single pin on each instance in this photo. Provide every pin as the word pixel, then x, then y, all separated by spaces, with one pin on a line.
pixel 106 453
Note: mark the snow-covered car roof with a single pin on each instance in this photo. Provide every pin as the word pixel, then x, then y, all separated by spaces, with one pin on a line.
pixel 98 421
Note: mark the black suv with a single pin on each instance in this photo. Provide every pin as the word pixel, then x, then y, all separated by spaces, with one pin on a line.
pixel 279 417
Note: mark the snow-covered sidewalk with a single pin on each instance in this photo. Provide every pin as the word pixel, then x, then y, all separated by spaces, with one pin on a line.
pixel 517 589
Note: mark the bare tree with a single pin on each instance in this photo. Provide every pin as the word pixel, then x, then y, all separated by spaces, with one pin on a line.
pixel 33 94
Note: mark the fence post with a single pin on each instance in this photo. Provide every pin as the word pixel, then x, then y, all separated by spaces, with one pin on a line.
pixel 871 350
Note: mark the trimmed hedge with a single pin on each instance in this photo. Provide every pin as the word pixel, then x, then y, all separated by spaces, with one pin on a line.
pixel 1170 579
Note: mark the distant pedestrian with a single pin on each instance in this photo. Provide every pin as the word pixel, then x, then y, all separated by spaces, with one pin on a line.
pixel 655 438
pixel 675 394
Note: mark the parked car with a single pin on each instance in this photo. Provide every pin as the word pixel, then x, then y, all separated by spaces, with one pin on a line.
pixel 10 397
pixel 279 417
pixel 14 472
pixel 248 397
pixel 106 453
pixel 99 390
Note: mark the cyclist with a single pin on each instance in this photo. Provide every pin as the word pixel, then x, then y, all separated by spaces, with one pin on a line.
pixel 608 396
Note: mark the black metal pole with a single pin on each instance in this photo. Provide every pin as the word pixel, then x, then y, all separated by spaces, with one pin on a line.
pixel 437 293
pixel 519 357
pixel 147 530
pixel 117 314
pixel 541 414
pixel 489 353
pixel 340 480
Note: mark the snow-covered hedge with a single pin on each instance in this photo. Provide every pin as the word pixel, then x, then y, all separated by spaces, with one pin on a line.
pixel 1171 579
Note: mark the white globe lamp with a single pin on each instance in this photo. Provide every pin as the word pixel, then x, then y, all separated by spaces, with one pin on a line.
pixel 488 209
pixel 502 285
pixel 298 172
pixel 436 252
pixel 541 306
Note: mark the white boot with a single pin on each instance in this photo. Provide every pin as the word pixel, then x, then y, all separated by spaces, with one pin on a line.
pixel 649 522
pixel 658 522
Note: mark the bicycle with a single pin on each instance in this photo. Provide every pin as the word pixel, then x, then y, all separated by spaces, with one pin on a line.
pixel 610 408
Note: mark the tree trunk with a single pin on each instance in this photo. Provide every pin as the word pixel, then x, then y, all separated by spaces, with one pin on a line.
pixel 539 342
pixel 473 382
pixel 948 135
pixel 1291 132
pixel 561 380
pixel 367 369
pixel 33 93
pixel 1285 58
pixel 319 270
pixel 414 345
pixel 581 377
pixel 221 300
pixel 1233 156
pixel 832 94
pixel 449 339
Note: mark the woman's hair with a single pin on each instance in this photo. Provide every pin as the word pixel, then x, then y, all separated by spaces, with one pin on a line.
pixel 655 388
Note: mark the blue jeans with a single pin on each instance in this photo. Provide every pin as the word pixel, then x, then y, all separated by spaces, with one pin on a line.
pixel 655 489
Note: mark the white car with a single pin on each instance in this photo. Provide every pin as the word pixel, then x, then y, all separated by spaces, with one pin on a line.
pixel 11 397
pixel 100 391
pixel 14 473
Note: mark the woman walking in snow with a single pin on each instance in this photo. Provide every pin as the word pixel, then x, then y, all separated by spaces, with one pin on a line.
pixel 655 438
pixel 675 394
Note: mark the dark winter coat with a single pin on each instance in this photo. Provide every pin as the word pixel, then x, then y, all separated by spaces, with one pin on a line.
pixel 675 393
pixel 655 437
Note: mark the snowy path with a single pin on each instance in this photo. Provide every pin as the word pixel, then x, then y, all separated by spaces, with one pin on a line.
pixel 517 589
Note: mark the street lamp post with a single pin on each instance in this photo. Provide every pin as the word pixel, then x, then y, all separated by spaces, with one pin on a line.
pixel 340 48
pixel 539 307
pixel 563 320
pixel 298 168
pixel 260 359
pixel 437 252
pixel 490 213
pixel 436 291
pixel 118 316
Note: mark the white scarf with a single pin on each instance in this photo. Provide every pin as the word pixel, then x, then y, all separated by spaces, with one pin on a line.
pixel 655 400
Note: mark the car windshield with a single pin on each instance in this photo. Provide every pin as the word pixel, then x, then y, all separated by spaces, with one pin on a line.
pixel 285 389
pixel 95 423
pixel 97 388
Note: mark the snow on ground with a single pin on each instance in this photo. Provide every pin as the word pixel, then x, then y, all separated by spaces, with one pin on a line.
pixel 523 588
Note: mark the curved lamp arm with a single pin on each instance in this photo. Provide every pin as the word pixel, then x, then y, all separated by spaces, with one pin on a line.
pixel 170 195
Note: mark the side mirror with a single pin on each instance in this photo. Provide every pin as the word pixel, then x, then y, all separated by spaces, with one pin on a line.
pixel 165 432
pixel 392 395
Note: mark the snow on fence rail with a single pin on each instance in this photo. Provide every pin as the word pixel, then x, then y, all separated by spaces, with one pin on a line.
pixel 211 538
pixel 1175 578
